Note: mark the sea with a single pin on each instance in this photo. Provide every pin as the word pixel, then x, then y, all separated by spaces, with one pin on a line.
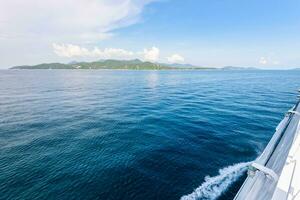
pixel 136 135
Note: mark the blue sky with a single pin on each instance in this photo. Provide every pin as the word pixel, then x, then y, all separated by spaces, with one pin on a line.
pixel 212 33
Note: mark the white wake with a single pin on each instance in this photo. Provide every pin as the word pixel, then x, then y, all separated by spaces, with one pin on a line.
pixel 214 186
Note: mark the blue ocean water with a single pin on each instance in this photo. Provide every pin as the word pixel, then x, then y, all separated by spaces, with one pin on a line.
pixel 136 135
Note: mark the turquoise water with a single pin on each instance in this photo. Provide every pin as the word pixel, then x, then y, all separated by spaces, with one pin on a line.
pixel 71 134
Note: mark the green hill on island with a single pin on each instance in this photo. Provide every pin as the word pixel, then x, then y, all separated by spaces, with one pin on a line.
pixel 110 64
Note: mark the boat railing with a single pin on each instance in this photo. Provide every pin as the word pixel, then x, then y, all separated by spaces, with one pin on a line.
pixel 263 173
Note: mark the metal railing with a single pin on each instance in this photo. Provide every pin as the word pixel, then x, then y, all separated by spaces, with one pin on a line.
pixel 264 171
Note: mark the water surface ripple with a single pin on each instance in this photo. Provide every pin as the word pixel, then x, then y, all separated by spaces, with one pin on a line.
pixel 72 134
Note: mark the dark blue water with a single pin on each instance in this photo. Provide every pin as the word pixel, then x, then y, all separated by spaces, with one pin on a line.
pixel 71 134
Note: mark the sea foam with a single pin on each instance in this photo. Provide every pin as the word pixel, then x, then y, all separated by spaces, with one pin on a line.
pixel 214 186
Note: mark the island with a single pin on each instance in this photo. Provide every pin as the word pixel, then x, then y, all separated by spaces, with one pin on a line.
pixel 135 64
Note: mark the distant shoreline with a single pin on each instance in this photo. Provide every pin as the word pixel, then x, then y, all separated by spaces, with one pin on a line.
pixel 123 65
pixel 123 69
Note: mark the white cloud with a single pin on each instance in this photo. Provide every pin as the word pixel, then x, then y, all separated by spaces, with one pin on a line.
pixel 263 61
pixel 70 50
pixel 113 53
pixel 39 23
pixel 151 54
pixel 268 61
pixel 175 58
pixel 66 20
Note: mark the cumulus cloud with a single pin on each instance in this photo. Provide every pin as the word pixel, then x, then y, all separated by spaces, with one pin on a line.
pixel 65 20
pixel 70 50
pixel 263 61
pixel 175 58
pixel 268 61
pixel 39 23
pixel 151 54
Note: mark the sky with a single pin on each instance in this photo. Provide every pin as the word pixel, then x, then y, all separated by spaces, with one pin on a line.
pixel 209 33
